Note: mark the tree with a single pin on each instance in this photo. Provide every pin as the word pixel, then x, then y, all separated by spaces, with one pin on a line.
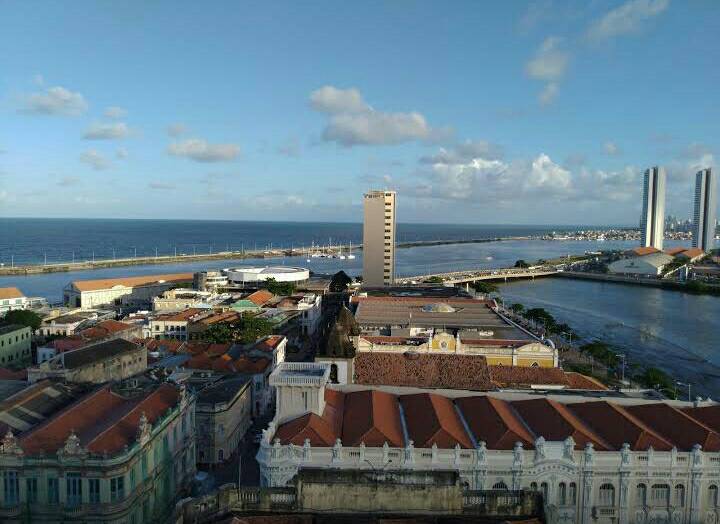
pixel 219 334
pixel 253 328
pixel 279 288
pixel 23 317
pixel 340 282
pixel 434 280
pixel 517 309
pixel 484 287
pixel 521 264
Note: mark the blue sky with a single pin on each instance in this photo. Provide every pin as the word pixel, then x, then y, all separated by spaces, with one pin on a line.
pixel 475 112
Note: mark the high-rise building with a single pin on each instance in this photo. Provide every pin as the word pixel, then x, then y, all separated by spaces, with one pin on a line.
pixel 379 238
pixel 705 205
pixel 652 227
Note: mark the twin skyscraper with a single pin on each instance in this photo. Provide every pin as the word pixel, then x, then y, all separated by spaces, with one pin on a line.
pixel 652 226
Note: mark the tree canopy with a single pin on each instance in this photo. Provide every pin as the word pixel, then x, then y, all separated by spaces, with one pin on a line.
pixel 340 282
pixel 22 317
pixel 279 288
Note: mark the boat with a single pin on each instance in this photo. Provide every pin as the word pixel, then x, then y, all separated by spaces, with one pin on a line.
pixel 350 256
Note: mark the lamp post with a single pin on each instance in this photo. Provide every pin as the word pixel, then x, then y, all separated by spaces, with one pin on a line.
pixel 686 384
pixel 624 360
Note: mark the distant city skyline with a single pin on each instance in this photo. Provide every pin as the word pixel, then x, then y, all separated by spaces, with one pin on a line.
pixel 287 112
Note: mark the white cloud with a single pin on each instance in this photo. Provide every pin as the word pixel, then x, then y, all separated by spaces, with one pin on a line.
pixel 55 101
pixel 115 112
pixel 611 148
pixel 161 186
pixel 121 153
pixel 94 159
pixel 550 61
pixel 548 94
pixel 107 131
pixel 549 65
pixel 625 19
pixel 465 151
pixel 200 151
pixel 68 181
pixel 353 122
pixel 177 129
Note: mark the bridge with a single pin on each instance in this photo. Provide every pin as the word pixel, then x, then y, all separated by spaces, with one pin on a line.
pixel 475 275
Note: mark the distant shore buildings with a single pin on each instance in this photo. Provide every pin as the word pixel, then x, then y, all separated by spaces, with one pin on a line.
pixel 379 238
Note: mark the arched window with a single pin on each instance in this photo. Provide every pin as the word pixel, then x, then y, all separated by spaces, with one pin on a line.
pixel 713 496
pixel 562 494
pixel 680 496
pixel 572 493
pixel 534 365
pixel 607 495
pixel 533 486
pixel 641 495
pixel 500 486
pixel 544 490
pixel 333 374
pixel 660 495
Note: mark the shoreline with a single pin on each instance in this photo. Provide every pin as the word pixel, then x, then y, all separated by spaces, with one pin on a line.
pixel 88 265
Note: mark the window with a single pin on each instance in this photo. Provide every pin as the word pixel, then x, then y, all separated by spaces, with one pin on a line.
pixel 680 496
pixel 544 490
pixel 31 490
pixel 10 487
pixel 641 495
pixel 572 493
pixel 607 495
pixel 660 495
pixel 562 494
pixel 713 496
pixel 53 491
pixel 221 455
pixel 94 491
pixel 117 489
pixel 500 486
pixel 73 484
pixel 132 479
pixel 533 486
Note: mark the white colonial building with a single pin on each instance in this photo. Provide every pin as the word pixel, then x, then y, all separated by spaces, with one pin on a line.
pixel 625 460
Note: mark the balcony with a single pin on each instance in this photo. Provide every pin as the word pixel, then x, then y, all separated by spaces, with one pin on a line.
pixel 605 512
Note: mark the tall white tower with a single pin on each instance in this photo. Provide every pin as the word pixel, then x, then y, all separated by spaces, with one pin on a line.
pixel 705 208
pixel 652 226
pixel 379 238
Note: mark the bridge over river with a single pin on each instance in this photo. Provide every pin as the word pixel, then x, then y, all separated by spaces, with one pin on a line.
pixel 474 275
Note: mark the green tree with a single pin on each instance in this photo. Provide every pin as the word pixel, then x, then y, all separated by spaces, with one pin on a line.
pixel 484 287
pixel 279 288
pixel 23 317
pixel 517 309
pixel 601 352
pixel 219 334
pixel 434 280
pixel 252 328
pixel 340 282
pixel 521 264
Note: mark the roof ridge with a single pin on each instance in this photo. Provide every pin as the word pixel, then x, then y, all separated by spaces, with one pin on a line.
pixel 635 420
pixel 570 417
pixel 515 412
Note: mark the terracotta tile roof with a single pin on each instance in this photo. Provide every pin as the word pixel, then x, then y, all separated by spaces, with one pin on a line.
pixel 422 370
pixel 554 421
pixel 519 376
pixel 693 252
pixel 432 419
pixel 677 426
pixel 372 417
pixel 642 251
pixel 495 422
pixel 617 426
pixel 109 283
pixel 169 345
pixel 580 381
pixel 419 301
pixel 308 426
pixel 269 343
pixel 62 345
pixel 10 292
pixel 708 415
pixel 103 420
pixel 179 316
pixel 251 365
pixel 104 329
pixel 672 251
pixel 260 297
pixel 334 412
pixel 215 318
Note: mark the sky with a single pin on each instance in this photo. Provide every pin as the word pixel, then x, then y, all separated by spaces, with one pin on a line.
pixel 540 112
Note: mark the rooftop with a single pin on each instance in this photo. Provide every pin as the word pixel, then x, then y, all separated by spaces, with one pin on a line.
pixel 10 292
pixel 501 420
pixel 97 352
pixel 11 328
pixel 222 391
pixel 129 282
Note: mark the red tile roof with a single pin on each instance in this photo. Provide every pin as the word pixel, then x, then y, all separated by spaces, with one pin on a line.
pixel 432 419
pixel 109 283
pixel 642 251
pixel 672 251
pixel 422 370
pixel 104 329
pixel 522 377
pixel 180 316
pixel 260 297
pixel 677 426
pixel 617 426
pixel 693 252
pixel 104 421
pixel 495 422
pixel 269 343
pixel 373 418
pixel 554 421
pixel 708 415
pixel 251 365
pixel 10 292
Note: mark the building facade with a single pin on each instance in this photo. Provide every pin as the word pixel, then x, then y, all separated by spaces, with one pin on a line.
pixel 652 225
pixel 705 210
pixel 647 265
pixel 12 298
pixel 83 465
pixel 173 325
pixel 593 460
pixel 379 238
pixel 15 346
pixel 130 291
pixel 223 413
